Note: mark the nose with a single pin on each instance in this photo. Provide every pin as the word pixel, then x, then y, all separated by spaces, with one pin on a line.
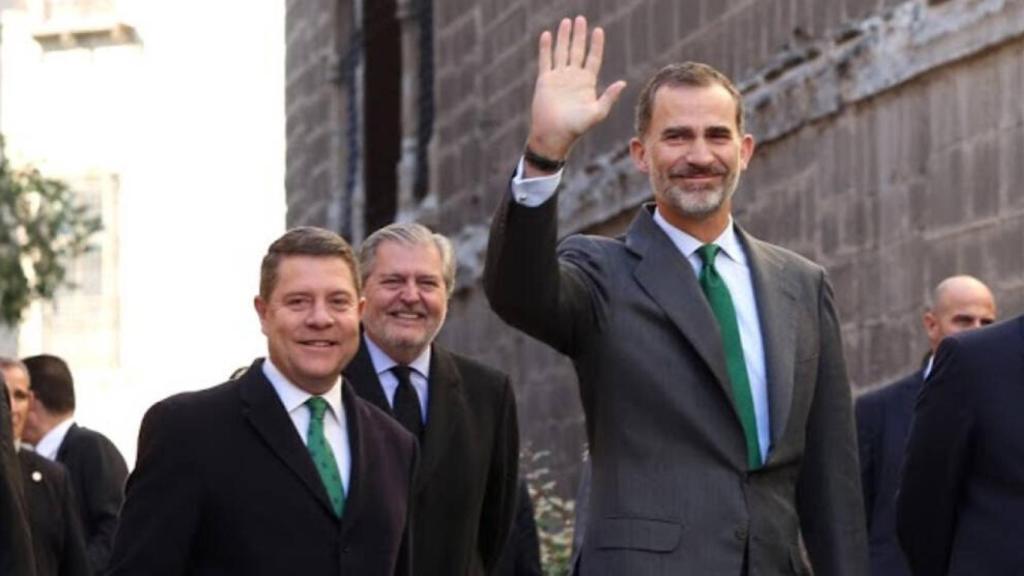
pixel 320 315
pixel 410 292
pixel 699 153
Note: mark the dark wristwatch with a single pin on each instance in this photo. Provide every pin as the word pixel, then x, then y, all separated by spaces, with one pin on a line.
pixel 541 162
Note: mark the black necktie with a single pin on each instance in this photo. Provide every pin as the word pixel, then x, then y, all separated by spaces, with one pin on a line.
pixel 407 402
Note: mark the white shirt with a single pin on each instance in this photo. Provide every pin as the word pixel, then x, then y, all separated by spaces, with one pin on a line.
pixel 383 364
pixel 335 422
pixel 49 444
pixel 731 264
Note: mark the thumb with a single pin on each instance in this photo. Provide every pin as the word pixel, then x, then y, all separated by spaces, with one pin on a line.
pixel 609 97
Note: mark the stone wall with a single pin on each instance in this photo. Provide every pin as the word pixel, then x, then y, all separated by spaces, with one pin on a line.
pixel 891 137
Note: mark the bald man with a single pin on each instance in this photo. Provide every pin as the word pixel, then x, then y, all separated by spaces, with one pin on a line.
pixel 958 304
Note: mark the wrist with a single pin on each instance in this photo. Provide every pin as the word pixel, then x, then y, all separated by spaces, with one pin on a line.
pixel 541 162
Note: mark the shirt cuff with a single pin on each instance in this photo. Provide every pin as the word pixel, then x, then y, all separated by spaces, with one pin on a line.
pixel 532 192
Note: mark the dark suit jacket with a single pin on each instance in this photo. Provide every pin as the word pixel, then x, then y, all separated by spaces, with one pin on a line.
pixel 961 501
pixel 15 543
pixel 466 483
pixel 670 489
pixel 53 517
pixel 522 553
pixel 883 424
pixel 224 485
pixel 98 472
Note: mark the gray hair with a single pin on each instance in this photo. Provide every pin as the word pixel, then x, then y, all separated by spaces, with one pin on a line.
pixel 8 363
pixel 409 234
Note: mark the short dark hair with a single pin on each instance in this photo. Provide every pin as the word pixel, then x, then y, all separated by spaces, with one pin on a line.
pixel 306 241
pixel 51 382
pixel 692 74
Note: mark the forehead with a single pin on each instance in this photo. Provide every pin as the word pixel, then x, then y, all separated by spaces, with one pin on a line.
pixel 693 106
pixel 313 273
pixel 399 257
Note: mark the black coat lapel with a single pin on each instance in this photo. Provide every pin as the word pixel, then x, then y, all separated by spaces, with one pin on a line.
pixel 445 401
pixel 666 276
pixel 264 411
pixel 353 418
pixel 361 373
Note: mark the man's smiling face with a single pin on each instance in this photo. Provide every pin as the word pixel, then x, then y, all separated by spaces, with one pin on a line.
pixel 406 299
pixel 311 320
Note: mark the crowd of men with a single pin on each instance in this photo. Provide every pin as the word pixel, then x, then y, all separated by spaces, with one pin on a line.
pixel 722 433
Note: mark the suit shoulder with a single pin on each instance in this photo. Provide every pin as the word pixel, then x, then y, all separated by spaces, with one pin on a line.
pixel 892 392
pixel 478 374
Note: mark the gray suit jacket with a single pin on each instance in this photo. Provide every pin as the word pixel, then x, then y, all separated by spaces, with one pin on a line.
pixel 671 493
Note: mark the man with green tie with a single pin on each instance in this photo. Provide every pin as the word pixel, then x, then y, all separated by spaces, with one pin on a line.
pixel 718 411
pixel 283 470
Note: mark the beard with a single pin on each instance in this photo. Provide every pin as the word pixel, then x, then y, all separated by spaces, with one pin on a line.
pixel 697 201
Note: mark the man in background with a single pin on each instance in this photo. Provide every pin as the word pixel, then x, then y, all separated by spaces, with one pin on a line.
pixel 960 508
pixel 57 542
pixel 15 541
pixel 97 469
pixel 462 411
pixel 883 416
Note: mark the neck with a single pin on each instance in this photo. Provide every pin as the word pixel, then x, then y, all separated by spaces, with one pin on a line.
pixel 706 229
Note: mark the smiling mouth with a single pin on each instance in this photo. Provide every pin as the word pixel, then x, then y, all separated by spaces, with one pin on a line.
pixel 318 343
pixel 407 315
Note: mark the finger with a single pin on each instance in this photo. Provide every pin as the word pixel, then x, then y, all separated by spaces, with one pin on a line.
pixel 609 97
pixel 596 54
pixel 579 42
pixel 544 52
pixel 562 43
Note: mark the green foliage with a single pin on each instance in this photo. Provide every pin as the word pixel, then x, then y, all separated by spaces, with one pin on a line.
pixel 42 229
pixel 554 515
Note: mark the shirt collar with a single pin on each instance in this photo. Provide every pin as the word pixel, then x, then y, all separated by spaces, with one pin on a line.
pixel 49 444
pixel 728 241
pixel 293 397
pixel 382 362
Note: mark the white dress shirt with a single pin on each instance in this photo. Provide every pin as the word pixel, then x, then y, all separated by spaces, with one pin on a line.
pixel 731 264
pixel 49 444
pixel 335 422
pixel 420 368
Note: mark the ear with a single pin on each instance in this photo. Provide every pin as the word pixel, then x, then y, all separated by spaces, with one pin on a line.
pixel 261 310
pixel 638 152
pixel 931 327
pixel 361 306
pixel 747 146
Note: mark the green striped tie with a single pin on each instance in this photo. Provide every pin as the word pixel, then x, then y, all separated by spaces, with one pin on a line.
pixel 721 304
pixel 323 456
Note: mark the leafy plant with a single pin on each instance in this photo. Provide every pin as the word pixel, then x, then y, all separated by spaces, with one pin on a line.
pixel 43 227
pixel 554 515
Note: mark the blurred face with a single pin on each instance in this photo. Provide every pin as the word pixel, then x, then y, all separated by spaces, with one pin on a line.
pixel 959 307
pixel 311 320
pixel 21 398
pixel 692 152
pixel 406 299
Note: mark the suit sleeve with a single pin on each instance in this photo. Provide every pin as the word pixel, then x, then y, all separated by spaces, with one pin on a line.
pixel 499 505
pixel 868 418
pixel 829 499
pixel 102 493
pixel 163 499
pixel 551 293
pixel 15 546
pixel 937 451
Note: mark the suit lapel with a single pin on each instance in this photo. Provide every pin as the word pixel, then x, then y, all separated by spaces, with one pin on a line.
pixel 264 411
pixel 353 417
pixel 666 276
pixel 444 400
pixel 361 373
pixel 776 301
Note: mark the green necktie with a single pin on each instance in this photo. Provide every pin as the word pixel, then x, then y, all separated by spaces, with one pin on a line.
pixel 323 456
pixel 721 304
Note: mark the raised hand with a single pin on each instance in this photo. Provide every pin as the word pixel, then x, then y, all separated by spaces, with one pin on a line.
pixel 565 100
